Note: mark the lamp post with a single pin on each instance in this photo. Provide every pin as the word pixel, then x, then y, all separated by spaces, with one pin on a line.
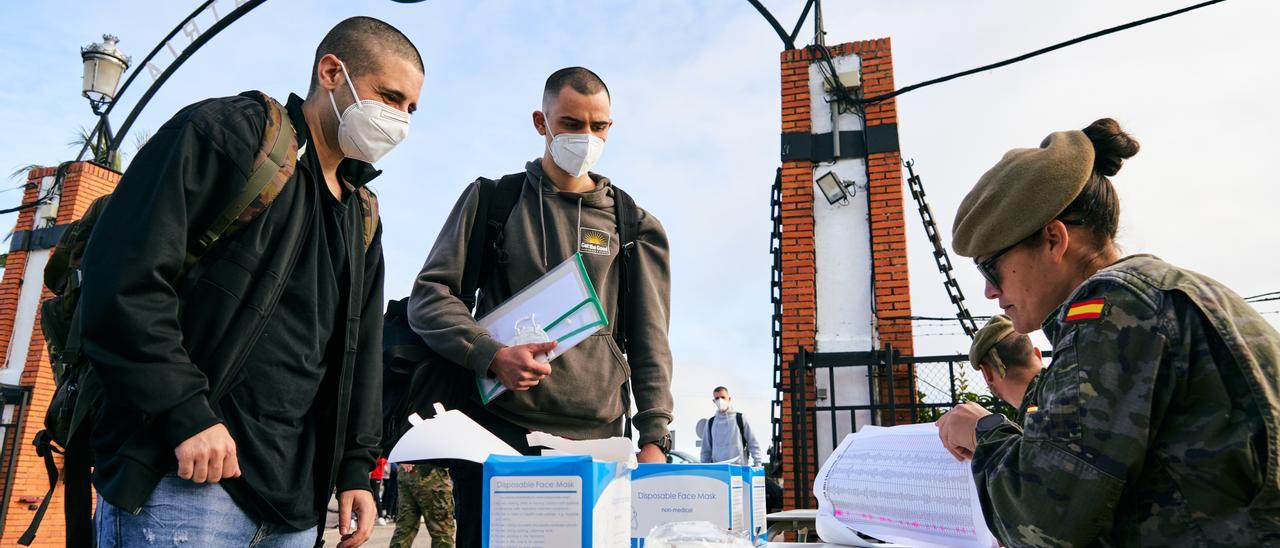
pixel 104 63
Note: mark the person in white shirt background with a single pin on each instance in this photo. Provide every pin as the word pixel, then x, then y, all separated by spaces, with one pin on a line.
pixel 727 435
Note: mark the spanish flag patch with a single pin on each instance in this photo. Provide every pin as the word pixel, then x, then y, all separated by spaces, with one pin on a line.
pixel 1086 310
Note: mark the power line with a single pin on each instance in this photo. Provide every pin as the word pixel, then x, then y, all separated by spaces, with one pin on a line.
pixel 945 318
pixel 1263 297
pixel 1038 52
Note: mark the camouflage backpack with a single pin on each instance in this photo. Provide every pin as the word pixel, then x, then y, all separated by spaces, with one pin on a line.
pixel 79 392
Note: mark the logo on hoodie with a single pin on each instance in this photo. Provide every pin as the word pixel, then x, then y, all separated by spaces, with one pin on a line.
pixel 595 242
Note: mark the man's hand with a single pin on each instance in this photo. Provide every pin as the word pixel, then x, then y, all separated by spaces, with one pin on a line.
pixel 651 454
pixel 208 456
pixel 516 367
pixel 366 512
pixel 958 429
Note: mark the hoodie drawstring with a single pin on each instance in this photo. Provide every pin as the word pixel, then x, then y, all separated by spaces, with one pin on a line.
pixel 542 223
pixel 542 219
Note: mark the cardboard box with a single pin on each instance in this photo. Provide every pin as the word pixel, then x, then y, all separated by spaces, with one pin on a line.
pixel 577 495
pixel 754 505
pixel 663 493
pixel 567 501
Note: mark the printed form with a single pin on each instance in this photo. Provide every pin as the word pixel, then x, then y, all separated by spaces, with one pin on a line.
pixel 900 485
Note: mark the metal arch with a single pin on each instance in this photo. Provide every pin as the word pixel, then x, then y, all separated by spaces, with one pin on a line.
pixel 195 45
pixel 245 6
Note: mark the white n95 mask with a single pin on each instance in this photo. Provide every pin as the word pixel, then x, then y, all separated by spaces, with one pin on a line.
pixel 368 129
pixel 575 153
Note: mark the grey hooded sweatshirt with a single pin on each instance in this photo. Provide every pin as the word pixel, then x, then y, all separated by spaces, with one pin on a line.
pixel 582 398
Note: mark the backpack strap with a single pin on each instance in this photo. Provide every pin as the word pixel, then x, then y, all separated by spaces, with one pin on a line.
pixel 628 220
pixel 272 168
pixel 369 210
pixel 627 216
pixel 710 440
pixel 742 432
pixel 484 253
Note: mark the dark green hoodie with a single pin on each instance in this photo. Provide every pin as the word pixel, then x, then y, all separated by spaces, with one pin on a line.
pixel 582 398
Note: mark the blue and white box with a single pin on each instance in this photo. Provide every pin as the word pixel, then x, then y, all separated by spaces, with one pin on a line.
pixel 754 505
pixel 663 493
pixel 577 495
pixel 562 501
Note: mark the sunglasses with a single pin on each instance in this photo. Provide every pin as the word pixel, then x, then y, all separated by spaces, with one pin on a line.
pixel 988 267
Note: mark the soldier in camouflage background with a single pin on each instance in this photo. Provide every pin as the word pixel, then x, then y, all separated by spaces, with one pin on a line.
pixel 425 493
pixel 1157 420
pixel 1009 362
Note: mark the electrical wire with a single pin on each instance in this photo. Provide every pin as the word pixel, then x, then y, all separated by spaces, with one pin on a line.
pixel 1263 297
pixel 1041 51
pixel 55 188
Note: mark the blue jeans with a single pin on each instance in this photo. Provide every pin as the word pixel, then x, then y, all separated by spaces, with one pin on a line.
pixel 181 513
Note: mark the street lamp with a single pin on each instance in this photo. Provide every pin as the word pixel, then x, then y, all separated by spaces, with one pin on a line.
pixel 103 65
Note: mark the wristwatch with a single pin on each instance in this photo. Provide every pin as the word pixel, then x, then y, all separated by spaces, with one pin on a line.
pixel 663 443
pixel 990 422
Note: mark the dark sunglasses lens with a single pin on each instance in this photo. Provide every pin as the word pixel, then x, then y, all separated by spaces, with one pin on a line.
pixel 987 268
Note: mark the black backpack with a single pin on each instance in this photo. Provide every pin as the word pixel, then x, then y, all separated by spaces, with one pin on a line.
pixel 414 377
pixel 78 391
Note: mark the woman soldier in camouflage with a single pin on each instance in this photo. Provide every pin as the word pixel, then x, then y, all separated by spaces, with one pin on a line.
pixel 1157 420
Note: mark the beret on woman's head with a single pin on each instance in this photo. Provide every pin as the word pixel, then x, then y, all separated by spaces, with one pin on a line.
pixel 1025 190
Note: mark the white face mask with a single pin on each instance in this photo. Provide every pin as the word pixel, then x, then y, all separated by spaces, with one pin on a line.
pixel 368 129
pixel 575 153
pixel 722 404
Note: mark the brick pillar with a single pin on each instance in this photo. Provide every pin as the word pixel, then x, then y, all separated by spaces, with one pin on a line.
pixel 888 228
pixel 83 183
pixel 799 311
pixel 891 296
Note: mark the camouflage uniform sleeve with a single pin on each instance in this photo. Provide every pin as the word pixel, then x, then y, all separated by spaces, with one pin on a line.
pixel 1058 480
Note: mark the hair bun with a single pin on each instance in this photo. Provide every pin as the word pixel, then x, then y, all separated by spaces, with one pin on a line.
pixel 1111 146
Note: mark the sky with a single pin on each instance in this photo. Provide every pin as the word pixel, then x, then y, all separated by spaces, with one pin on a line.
pixel 695 89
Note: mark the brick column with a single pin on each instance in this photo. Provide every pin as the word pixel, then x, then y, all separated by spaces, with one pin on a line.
pixel 891 297
pixel 83 183
pixel 799 311
pixel 888 228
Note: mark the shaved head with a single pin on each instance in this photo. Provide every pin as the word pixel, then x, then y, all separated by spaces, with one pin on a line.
pixel 362 43
pixel 580 79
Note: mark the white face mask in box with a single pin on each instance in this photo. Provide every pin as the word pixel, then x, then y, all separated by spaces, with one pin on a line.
pixel 575 153
pixel 368 129
pixel 722 404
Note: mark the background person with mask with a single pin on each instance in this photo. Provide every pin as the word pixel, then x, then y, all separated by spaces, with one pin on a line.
pixel 728 434
pixel 285 314
pixel 561 209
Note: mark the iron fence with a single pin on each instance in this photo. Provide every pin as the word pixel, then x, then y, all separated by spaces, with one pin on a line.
pixel 894 389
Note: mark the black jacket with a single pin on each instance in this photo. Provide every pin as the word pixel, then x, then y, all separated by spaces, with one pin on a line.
pixel 163 342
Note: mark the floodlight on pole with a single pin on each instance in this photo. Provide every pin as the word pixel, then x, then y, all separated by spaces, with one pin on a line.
pixel 836 190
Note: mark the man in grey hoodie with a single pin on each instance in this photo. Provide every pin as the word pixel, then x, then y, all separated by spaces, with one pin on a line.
pixel 563 209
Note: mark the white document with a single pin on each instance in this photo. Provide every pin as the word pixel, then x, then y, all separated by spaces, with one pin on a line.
pixel 616 449
pixel 899 485
pixel 453 435
pixel 449 435
pixel 564 304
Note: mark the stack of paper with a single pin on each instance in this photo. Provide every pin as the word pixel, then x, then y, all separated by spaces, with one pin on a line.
pixel 900 485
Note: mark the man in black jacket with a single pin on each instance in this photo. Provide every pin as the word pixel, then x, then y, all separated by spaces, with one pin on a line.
pixel 242 391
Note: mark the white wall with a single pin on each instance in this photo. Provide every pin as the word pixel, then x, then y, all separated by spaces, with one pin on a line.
pixel 28 302
pixel 842 244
